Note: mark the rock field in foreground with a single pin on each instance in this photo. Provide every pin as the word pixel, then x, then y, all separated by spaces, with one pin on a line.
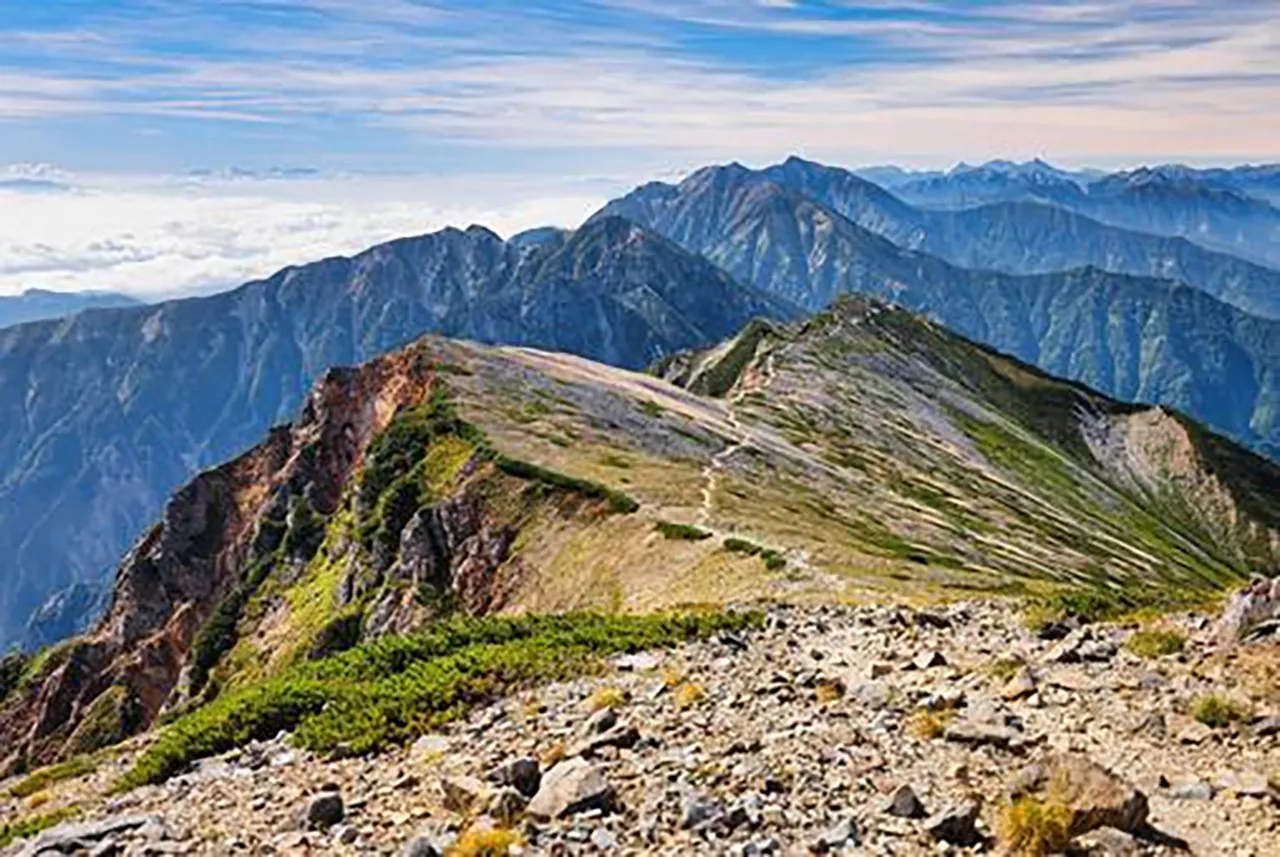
pixel 869 729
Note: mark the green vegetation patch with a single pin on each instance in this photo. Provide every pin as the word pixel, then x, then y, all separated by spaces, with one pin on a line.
pixel 681 532
pixel 27 827
pixel 1099 604
pixel 773 560
pixel 618 502
pixel 1155 643
pixel 1218 711
pixel 45 777
pixel 113 716
pixel 13 667
pixel 392 689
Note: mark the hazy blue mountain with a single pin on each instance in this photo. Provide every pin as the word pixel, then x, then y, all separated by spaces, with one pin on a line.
pixel 39 304
pixel 1031 238
pixel 1210 208
pixel 1137 338
pixel 966 185
pixel 890 176
pixel 102 414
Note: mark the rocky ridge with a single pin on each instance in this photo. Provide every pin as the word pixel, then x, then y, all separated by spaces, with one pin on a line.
pixel 868 729
pixel 866 453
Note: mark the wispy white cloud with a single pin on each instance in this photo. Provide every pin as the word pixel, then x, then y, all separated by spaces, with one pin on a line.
pixel 157 236
pixel 559 88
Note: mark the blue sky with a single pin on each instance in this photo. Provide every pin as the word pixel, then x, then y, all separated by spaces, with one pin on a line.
pixel 537 108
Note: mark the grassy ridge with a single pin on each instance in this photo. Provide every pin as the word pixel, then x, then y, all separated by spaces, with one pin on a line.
pixel 390 690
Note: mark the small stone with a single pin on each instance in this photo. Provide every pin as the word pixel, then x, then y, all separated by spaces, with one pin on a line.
pixel 422 846
pixel 1022 685
pixel 462 793
pixel 700 811
pixel 905 804
pixel 1105 842
pixel 571 787
pixel 324 810
pixel 1267 726
pixel 1195 790
pixel 507 804
pixel 346 834
pixel 979 733
pixel 878 669
pixel 956 825
pixel 837 837
pixel 928 660
pixel 523 774
pixel 947 699
pixel 429 746
pixel 621 735
pixel 639 662
pixel 602 721
pixel 1246 784
pixel 604 839
pixel 1185 730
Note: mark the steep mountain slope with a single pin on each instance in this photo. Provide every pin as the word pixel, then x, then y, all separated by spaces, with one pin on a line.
pixel 39 304
pixel 1029 237
pixel 103 414
pixel 1135 338
pixel 866 450
pixel 1200 207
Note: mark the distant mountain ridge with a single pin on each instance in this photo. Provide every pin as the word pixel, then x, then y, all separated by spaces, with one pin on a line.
pixel 1226 210
pixel 1029 237
pixel 103 414
pixel 1136 338
pixel 41 304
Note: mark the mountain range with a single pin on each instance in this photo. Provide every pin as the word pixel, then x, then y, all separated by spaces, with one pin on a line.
pixel 1136 338
pixel 1229 210
pixel 865 450
pixel 103 414
pixel 40 304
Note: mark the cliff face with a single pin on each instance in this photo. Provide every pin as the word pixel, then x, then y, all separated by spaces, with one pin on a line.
pixel 862 452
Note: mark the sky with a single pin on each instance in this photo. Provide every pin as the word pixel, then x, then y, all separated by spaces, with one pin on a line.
pixel 164 147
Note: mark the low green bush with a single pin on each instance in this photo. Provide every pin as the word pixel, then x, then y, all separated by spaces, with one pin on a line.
pixel 1218 711
pixel 736 545
pixel 12 831
pixel 392 689
pixel 618 502
pixel 45 777
pixel 1155 643
pixel 681 532
pixel 12 667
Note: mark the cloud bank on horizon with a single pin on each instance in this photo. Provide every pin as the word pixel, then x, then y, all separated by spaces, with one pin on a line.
pixel 408 114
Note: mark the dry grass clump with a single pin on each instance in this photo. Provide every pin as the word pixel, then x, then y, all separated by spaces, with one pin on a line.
pixel 689 694
pixel 553 755
pixel 928 725
pixel 485 842
pixel 1032 827
pixel 608 696
pixel 829 690
pixel 1005 668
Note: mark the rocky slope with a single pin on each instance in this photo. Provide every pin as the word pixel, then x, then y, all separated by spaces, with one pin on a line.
pixel 1136 338
pixel 102 415
pixel 1031 237
pixel 868 729
pixel 39 304
pixel 865 451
